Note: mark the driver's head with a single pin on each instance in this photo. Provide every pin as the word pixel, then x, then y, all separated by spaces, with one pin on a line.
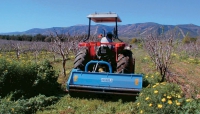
pixel 109 35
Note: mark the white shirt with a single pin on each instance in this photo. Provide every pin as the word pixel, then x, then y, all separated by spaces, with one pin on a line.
pixel 106 40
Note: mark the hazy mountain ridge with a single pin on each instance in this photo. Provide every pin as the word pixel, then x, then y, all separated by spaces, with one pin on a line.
pixel 129 30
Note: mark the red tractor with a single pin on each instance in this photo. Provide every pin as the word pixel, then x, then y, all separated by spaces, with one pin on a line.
pixel 117 54
pixel 104 67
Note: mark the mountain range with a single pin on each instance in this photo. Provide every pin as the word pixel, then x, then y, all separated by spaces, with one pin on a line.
pixel 126 31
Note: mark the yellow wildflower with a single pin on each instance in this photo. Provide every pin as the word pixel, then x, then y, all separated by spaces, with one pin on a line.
pixel 12 109
pixel 146 76
pixel 159 105
pixel 163 100
pixel 157 83
pixel 169 97
pixel 177 103
pixel 169 101
pixel 67 71
pixel 155 91
pixel 157 73
pixel 152 76
pixel 138 104
pixel 163 83
pixel 147 98
pixel 188 100
pixel 150 104
pixel 164 95
pixel 141 111
pixel 179 96
pixel 154 86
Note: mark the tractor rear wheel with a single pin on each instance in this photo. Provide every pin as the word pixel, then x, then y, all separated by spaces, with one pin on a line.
pixel 81 59
pixel 133 68
pixel 123 64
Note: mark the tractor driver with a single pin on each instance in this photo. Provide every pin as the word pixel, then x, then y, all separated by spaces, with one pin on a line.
pixel 108 38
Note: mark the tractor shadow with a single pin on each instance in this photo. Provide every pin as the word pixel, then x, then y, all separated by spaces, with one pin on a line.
pixel 104 97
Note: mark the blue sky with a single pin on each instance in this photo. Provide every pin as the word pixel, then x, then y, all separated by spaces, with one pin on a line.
pixel 21 15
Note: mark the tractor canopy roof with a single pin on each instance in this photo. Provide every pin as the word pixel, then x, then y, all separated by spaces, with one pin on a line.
pixel 104 17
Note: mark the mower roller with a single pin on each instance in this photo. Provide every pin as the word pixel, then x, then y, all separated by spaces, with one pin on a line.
pixel 104 68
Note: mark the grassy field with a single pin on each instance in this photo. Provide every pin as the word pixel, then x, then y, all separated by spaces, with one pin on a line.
pixel 186 73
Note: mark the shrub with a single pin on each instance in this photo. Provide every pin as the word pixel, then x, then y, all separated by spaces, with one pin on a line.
pixel 151 79
pixel 16 75
pixel 187 40
pixel 25 106
pixel 27 78
pixel 46 80
pixel 190 106
pixel 134 40
pixel 164 98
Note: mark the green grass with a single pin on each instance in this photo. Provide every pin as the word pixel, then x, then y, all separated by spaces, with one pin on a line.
pixel 143 62
pixel 187 72
pixel 69 105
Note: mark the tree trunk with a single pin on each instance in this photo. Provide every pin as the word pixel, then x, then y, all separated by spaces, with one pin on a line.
pixel 64 70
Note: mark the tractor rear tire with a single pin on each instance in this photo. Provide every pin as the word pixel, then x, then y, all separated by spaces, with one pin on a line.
pixel 123 64
pixel 133 69
pixel 81 59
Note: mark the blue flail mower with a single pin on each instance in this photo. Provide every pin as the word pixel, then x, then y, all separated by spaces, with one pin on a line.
pixel 104 82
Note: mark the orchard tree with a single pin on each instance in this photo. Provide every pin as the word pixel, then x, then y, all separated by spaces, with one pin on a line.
pixel 160 49
pixel 60 47
pixel 17 47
